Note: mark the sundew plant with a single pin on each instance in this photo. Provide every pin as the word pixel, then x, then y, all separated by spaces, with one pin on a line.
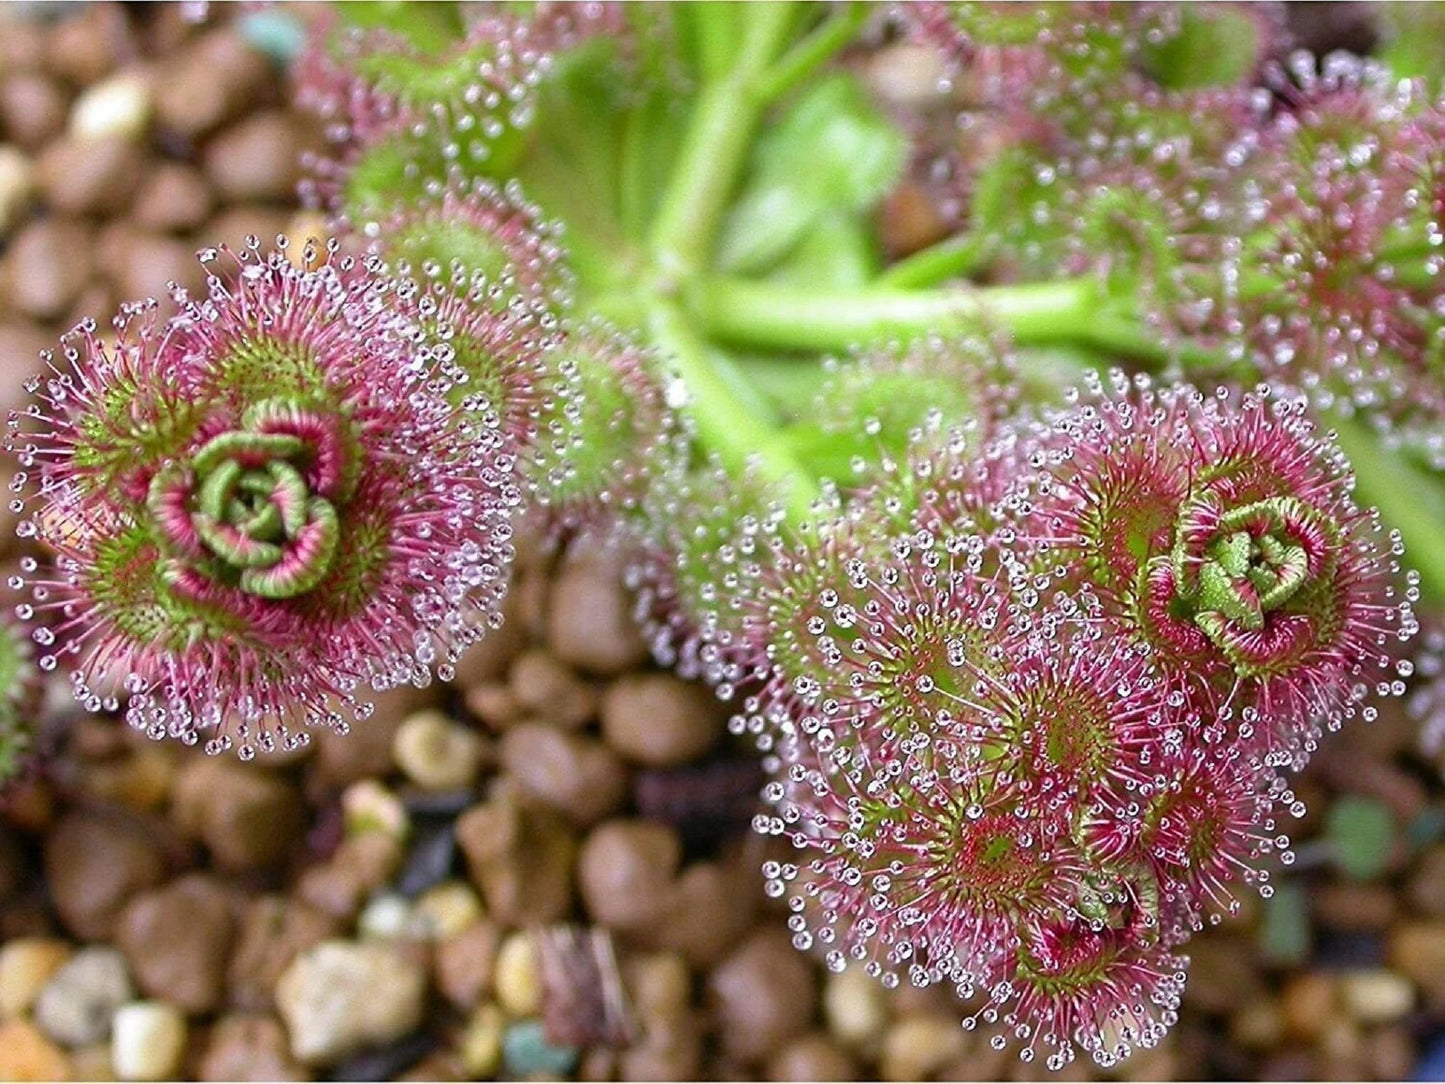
pixel 1037 550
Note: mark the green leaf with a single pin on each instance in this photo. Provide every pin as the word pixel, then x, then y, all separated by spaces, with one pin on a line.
pixel 832 151
pixel 1217 45
pixel 1362 832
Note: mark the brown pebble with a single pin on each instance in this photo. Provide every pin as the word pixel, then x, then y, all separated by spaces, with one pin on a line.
pixel 273 931
pixel 465 963
pixel 246 816
pixel 89 45
pixel 1354 907
pixel 813 1057
pixel 177 940
pixel 1310 1000
pixel 659 721
pixel 669 1050
pixel 249 1047
pixel 909 220
pixel 1417 951
pixel 258 158
pixel 95 865
pixel 712 904
pixel 47 265
pixel 233 225
pixel 366 751
pixel 494 704
pixel 89 176
pixel 172 198
pixel 1389 1054
pixel 575 774
pixel 1222 973
pixel 32 109
pixel 549 690
pixel 22 40
pixel 363 863
pixel 625 873
pixel 26 1054
pixel 210 82
pixel 764 993
pixel 590 624
pixel 489 659
pixel 147 266
pixel 521 859
pixel 1426 890
pixel 20 347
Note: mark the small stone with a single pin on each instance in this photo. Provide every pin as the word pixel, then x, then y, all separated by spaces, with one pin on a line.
pixel 519 975
pixel 92 1062
pixel 657 720
pixel 429 858
pixel 249 1048
pixel 148 1040
pixel 118 106
pixel 1310 1002
pixel 16 184
pixel 481 1044
pixel 274 930
pixel 89 176
pixel 342 759
pixel 256 158
pixel 521 859
pixel 367 806
pixel 436 752
pixel 550 691
pixel 341 997
pixel 710 907
pixel 590 624
pixel 575 774
pixel 1376 997
pixel 916 1047
pixel 1390 1055
pixel 908 74
pixel 172 198
pixel 32 108
pixel 494 704
pixel 1257 1024
pixel 210 82
pixel 526 1052
pixel 388 1062
pixel 765 993
pixel 660 985
pixel 26 965
pixel 813 1057
pixel 668 1051
pixel 1417 951
pixel 246 816
pixel 95 865
pixel 1426 890
pixel 854 1006
pixel 387 917
pixel 362 864
pixel 466 962
pixel 140 779
pixel 47 265
pixel 26 1054
pixel 177 940
pixel 153 266
pixel 76 1005
pixel 626 871
pixel 448 909
pixel 1352 907
pixel 86 47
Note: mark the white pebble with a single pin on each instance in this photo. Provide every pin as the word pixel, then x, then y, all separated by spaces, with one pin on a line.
pixel 436 752
pixel 148 1039
pixel 854 1006
pixel 16 183
pixel 119 106
pixel 518 977
pixel 389 916
pixel 1376 997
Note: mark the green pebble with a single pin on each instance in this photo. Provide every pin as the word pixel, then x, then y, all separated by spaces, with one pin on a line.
pixel 526 1052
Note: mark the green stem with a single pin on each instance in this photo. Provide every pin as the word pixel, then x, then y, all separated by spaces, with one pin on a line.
pixel 780 317
pixel 955 257
pixel 715 147
pixel 725 424
pixel 810 54
pixel 1409 499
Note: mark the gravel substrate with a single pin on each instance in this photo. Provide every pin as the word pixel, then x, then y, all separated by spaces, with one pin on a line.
pixel 544 869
